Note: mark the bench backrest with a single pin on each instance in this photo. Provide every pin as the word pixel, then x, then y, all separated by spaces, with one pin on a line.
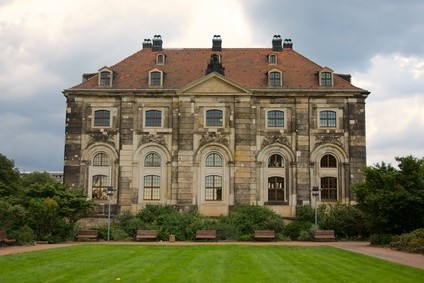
pixel 264 233
pixel 147 233
pixel 328 233
pixel 88 233
pixel 206 233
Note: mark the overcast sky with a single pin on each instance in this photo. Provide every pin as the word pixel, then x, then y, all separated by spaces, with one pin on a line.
pixel 46 45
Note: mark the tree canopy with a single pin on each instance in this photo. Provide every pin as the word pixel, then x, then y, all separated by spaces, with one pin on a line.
pixel 393 199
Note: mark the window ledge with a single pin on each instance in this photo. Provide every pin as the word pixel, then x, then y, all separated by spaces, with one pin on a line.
pixel 276 203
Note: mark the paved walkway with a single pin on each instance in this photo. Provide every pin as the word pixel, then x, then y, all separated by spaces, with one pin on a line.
pixel 414 260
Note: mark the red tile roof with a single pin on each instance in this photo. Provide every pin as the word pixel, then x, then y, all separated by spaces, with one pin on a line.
pixel 246 66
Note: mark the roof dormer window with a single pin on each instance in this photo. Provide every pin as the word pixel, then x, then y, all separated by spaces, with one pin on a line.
pixel 275 78
pixel 155 77
pixel 160 59
pixel 326 77
pixel 272 59
pixel 105 77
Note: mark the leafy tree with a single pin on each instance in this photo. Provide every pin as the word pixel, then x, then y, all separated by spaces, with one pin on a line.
pixel 9 176
pixel 391 199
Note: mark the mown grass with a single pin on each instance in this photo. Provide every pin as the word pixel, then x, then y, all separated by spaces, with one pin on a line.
pixel 200 263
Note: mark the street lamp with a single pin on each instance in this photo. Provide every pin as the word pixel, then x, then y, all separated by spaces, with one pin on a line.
pixel 109 191
pixel 315 193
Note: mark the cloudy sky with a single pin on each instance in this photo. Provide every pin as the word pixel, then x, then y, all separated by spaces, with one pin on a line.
pixel 46 45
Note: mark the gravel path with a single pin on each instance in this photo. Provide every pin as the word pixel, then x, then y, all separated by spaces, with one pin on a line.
pixel 414 260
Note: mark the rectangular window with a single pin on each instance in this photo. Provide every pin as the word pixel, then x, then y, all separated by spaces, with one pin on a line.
pixel 213 188
pixel 151 187
pixel 328 189
pixel 155 78
pixel 275 118
pixel 105 78
pixel 214 117
pixel 153 118
pixel 327 119
pixel 102 118
pixel 274 79
pixel 326 79
pixel 276 189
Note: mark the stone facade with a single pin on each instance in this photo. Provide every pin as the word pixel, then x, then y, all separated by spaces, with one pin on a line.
pixel 158 130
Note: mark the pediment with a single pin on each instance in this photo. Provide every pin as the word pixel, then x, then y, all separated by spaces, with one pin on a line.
pixel 213 83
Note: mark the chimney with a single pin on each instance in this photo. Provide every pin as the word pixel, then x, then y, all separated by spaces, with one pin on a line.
pixel 157 43
pixel 216 43
pixel 277 43
pixel 288 43
pixel 147 43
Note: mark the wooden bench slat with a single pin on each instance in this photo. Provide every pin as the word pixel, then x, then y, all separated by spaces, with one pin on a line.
pixel 146 234
pixel 205 234
pixel 264 234
pixel 87 234
pixel 324 235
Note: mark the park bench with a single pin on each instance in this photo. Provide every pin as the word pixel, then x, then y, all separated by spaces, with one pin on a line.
pixel 87 234
pixel 206 235
pixel 324 235
pixel 146 235
pixel 5 240
pixel 264 235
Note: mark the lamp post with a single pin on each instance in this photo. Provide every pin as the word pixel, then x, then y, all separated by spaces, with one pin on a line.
pixel 109 192
pixel 315 193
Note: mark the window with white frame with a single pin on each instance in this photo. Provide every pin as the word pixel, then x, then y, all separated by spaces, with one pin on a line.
pixel 275 188
pixel 160 59
pixel 152 160
pixel 272 59
pixel 101 172
pixel 151 187
pixel 214 118
pixel 213 188
pixel 275 119
pixel 102 118
pixel 153 118
pixel 328 189
pixel 326 78
pixel 274 78
pixel 105 78
pixel 327 119
pixel 155 78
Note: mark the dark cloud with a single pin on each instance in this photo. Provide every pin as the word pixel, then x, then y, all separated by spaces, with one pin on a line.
pixel 343 34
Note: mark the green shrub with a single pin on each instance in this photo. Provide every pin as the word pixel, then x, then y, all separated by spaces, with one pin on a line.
pixel 224 230
pixel 346 220
pixel 410 242
pixel 293 229
pixel 24 235
pixel 128 222
pixel 380 239
pixel 305 213
pixel 118 234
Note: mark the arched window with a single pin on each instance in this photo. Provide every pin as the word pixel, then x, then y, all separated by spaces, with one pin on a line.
pixel 151 187
pixel 101 159
pixel 275 189
pixel 152 160
pixel 328 161
pixel 275 161
pixel 213 188
pixel 99 186
pixel 102 118
pixel 213 160
pixel 326 79
pixel 328 189
pixel 327 119
pixel 214 117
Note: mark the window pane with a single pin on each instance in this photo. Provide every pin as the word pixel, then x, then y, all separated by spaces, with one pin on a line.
pixel 327 119
pixel 152 160
pixel 102 118
pixel 326 79
pixel 151 187
pixel 213 160
pixel 328 161
pixel 105 78
pixel 99 186
pixel 214 117
pixel 276 189
pixel 275 118
pixel 274 79
pixel 155 78
pixel 213 186
pixel 275 161
pixel 101 159
pixel 328 189
pixel 153 118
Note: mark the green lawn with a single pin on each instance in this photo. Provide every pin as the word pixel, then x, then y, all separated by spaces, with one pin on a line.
pixel 200 263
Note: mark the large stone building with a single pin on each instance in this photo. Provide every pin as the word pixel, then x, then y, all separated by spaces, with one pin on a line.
pixel 213 128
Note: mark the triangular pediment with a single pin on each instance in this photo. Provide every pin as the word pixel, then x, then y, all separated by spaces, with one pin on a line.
pixel 213 83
